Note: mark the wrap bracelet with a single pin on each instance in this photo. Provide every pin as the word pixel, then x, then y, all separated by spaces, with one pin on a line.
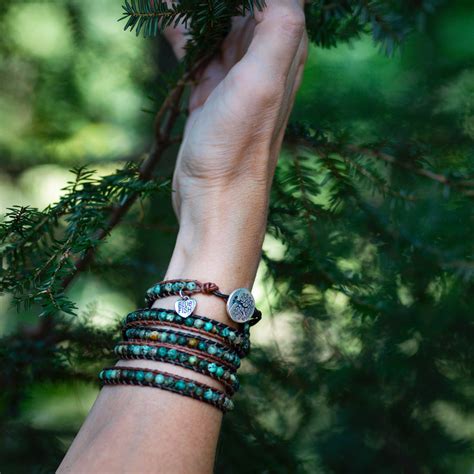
pixel 193 342
pixel 236 338
pixel 240 303
pixel 154 378
pixel 190 361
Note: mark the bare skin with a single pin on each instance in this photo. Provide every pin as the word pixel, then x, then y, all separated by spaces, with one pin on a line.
pixel 239 109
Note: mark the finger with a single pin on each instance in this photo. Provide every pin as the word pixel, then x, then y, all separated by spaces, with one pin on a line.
pixel 278 33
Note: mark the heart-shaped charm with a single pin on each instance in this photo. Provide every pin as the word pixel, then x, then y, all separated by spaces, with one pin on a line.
pixel 185 307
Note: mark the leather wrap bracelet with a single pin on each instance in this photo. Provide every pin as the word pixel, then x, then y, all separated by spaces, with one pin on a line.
pixel 240 303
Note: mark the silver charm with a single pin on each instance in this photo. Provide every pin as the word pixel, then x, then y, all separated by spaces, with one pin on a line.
pixel 240 305
pixel 185 306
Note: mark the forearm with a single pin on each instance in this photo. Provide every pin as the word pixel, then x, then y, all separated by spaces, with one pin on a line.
pixel 150 429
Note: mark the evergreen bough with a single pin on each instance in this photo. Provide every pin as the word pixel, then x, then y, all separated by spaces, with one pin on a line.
pixel 371 226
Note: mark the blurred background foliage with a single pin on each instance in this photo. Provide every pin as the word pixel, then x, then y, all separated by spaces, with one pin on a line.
pixel 364 360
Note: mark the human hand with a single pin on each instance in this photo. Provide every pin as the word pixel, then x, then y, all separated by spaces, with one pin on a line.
pixel 238 111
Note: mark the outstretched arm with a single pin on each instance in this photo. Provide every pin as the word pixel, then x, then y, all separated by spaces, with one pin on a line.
pixel 239 109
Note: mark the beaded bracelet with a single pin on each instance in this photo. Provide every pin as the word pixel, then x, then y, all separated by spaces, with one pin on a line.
pixel 191 361
pixel 240 303
pixel 185 340
pixel 165 381
pixel 238 339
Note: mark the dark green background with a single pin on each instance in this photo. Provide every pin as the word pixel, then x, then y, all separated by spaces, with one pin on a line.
pixel 75 89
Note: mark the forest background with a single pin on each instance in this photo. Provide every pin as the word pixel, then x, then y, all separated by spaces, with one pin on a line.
pixel 364 359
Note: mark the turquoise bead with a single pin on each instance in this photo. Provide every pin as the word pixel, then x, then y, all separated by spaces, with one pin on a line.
pixel 198 391
pixel 164 337
pixel 189 322
pixel 153 351
pixel 101 375
pixel 180 385
pixel 139 376
pixel 191 286
pixel 172 354
pixel 169 381
pixel 156 289
pixel 182 340
pixel 178 319
pixel 183 357
pixel 209 394
pixel 170 317
pixel 159 379
pixel 124 374
pixel 162 351
pixel 211 350
pixel 168 287
pixel 202 346
pixel 162 315
pixel 225 332
pixel 198 324
pixel 212 367
pixel 149 376
pixel 232 335
pixel 136 350
pixel 208 326
pixel 220 371
pixel 172 338
pixel 145 350
pixel 193 360
pixel 176 287
pixel 191 386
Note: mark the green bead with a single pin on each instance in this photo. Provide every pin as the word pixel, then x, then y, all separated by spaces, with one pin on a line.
pixel 136 350
pixel 140 375
pixel 180 385
pixel 193 360
pixel 149 376
pixel 211 350
pixel 162 351
pixel 164 337
pixel 159 379
pixel 220 371
pixel 212 367
pixel 198 324
pixel 209 394
pixel 172 354
pixel 208 326
pixel 191 286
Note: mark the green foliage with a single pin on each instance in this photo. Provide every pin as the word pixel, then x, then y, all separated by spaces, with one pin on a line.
pixel 363 361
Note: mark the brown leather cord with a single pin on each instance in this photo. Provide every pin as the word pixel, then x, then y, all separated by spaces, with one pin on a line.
pixel 238 349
